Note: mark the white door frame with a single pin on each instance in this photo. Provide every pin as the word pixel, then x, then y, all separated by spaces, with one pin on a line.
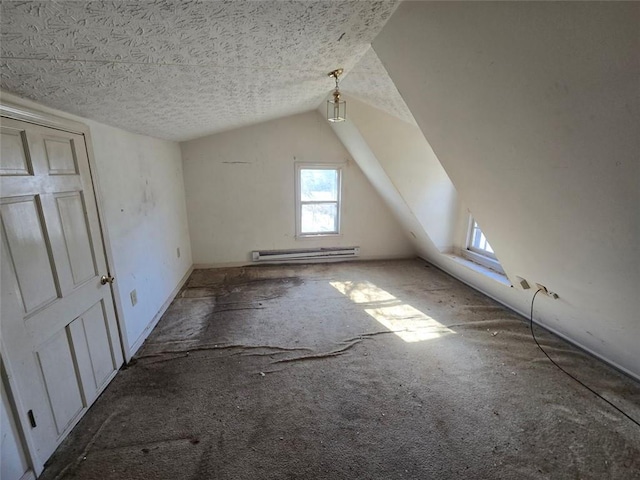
pixel 16 110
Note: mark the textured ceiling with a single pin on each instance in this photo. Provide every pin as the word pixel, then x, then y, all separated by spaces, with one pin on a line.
pixel 182 69
pixel 370 82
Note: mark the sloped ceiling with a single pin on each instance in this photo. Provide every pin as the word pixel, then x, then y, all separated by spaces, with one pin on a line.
pixel 183 69
pixel 370 82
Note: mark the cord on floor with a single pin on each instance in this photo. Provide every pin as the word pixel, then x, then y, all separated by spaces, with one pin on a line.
pixel 567 373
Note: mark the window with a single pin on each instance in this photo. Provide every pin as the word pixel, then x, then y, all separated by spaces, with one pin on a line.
pixel 479 250
pixel 478 242
pixel 317 199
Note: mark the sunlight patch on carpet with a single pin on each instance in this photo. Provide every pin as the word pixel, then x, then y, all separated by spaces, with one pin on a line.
pixel 409 323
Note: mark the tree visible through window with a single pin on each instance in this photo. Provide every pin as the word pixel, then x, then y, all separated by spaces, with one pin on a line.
pixel 318 200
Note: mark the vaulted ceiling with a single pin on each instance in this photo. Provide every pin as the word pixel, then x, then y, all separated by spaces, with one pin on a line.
pixel 183 69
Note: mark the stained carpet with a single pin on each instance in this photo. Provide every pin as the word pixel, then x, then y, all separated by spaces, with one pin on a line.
pixel 363 370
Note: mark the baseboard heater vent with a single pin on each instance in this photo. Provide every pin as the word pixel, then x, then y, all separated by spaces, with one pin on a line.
pixel 304 254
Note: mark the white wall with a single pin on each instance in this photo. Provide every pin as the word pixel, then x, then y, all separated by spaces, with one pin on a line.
pixel 366 159
pixel 411 166
pixel 533 110
pixel 140 181
pixel 144 205
pixel 240 193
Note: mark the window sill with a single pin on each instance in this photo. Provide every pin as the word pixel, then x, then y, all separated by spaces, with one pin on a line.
pixel 318 236
pixel 476 267
pixel 481 260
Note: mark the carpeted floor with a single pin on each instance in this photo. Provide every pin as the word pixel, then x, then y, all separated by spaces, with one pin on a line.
pixel 293 372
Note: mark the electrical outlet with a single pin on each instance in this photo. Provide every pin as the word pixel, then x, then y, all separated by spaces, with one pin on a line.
pixel 523 283
pixel 544 289
pixel 178 252
pixel 134 297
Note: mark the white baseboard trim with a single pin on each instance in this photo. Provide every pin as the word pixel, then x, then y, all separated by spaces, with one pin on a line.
pixel 202 266
pixel 156 318
pixel 374 258
pixel 525 315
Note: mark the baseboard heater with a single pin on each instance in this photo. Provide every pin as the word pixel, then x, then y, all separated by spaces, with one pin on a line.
pixel 305 254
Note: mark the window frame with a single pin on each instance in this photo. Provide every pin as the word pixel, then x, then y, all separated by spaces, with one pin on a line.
pixel 478 255
pixel 473 225
pixel 299 202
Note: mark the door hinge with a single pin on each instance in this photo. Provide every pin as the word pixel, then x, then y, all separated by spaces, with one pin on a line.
pixel 32 418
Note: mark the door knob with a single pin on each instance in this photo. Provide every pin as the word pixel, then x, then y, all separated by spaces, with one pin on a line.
pixel 106 279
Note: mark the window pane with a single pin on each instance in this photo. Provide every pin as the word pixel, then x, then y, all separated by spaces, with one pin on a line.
pixel 478 239
pixel 319 218
pixel 319 185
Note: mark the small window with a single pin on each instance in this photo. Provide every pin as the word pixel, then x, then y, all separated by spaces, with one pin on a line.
pixel 479 250
pixel 478 242
pixel 317 200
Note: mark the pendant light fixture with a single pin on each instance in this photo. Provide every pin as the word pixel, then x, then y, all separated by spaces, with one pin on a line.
pixel 336 108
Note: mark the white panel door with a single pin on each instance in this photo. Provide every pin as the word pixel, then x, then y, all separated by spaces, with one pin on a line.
pixel 58 327
pixel 13 458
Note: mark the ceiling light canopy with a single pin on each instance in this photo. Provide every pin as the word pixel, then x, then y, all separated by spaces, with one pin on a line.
pixel 336 108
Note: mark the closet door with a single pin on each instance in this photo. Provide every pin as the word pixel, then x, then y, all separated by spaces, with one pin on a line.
pixel 59 333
